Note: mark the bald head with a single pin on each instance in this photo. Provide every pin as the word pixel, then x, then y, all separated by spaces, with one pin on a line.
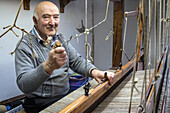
pixel 43 6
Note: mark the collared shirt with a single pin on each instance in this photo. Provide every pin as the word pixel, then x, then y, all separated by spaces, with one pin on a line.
pixel 34 32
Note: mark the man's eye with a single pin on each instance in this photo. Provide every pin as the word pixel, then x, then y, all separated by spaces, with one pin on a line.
pixel 55 17
pixel 46 16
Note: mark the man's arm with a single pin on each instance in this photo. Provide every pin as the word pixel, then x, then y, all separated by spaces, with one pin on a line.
pixel 78 64
pixel 29 76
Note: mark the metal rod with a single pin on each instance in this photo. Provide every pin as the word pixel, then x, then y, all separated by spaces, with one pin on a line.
pixel 131 13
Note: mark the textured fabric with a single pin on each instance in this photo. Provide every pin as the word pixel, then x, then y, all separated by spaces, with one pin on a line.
pixel 31 76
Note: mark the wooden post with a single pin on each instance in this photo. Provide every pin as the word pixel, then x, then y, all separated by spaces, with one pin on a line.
pixel 63 3
pixel 117 37
pixel 26 4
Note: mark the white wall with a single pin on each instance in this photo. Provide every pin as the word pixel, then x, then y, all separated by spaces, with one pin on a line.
pixel 103 48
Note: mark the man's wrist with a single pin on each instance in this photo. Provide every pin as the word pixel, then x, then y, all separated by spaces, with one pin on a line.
pixel 91 70
pixel 48 68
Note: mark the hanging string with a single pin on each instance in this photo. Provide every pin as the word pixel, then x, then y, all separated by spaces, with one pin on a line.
pixel 86 51
pixel 90 52
pixel 135 64
pixel 145 52
pixel 163 41
pixel 166 23
pixel 160 28
pixel 124 36
pixel 155 58
pixel 86 43
pixel 151 2
pixel 168 17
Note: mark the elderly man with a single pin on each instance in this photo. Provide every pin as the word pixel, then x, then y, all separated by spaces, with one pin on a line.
pixel 44 78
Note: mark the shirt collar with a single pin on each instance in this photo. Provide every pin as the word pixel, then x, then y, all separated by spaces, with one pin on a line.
pixel 34 32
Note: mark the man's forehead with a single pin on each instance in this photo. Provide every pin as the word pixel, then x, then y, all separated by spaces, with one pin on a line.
pixel 48 9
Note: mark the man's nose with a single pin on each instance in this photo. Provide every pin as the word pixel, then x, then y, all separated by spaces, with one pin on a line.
pixel 52 21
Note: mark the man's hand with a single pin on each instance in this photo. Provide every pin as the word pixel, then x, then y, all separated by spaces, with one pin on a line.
pixel 99 75
pixel 57 58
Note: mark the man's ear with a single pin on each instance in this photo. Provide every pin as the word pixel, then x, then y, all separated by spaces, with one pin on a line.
pixel 34 20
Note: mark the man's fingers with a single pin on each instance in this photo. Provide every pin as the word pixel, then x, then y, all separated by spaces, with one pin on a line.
pixel 98 80
pixel 109 76
pixel 62 58
pixel 59 50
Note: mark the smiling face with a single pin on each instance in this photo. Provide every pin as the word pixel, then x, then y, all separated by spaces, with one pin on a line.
pixel 46 19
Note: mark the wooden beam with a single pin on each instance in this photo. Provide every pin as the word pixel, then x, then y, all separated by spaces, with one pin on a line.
pixel 26 4
pixel 117 29
pixel 63 3
pixel 12 99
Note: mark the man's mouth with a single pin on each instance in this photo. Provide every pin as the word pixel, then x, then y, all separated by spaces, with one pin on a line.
pixel 51 28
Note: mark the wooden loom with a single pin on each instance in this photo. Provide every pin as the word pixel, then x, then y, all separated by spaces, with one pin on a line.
pixel 77 102
pixel 84 103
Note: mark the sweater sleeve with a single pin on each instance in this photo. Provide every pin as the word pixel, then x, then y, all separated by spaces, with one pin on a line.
pixel 78 63
pixel 29 77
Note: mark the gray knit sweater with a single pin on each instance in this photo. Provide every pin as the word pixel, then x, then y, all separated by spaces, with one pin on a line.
pixel 31 76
